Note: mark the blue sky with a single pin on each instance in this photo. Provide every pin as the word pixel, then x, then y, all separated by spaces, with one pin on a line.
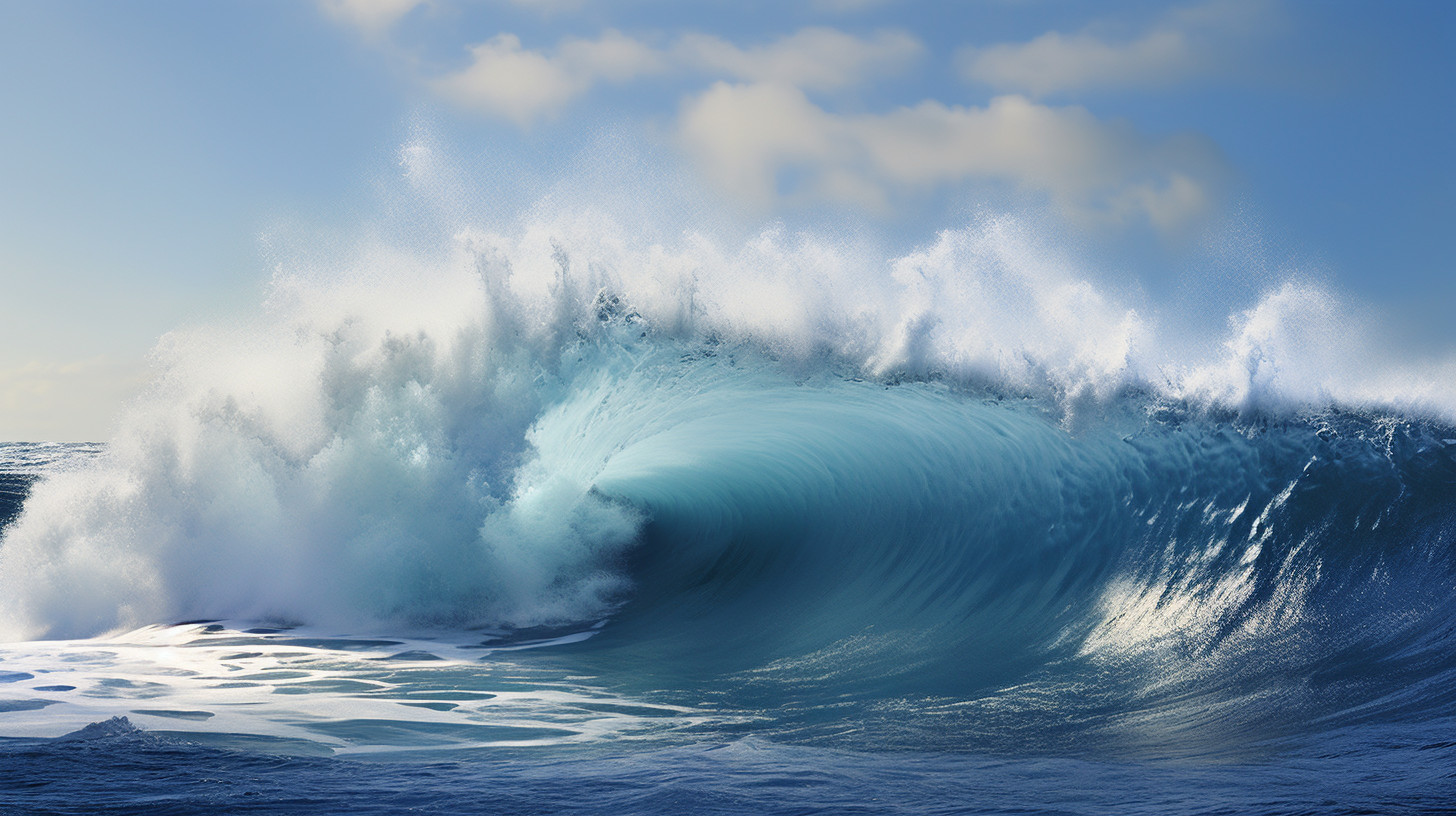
pixel 153 151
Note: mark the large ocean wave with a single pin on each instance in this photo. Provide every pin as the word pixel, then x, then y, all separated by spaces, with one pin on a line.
pixel 964 473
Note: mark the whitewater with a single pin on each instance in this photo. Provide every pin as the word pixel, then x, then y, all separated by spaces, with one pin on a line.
pixel 563 517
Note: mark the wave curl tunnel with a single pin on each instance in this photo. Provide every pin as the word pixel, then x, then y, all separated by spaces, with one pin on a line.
pixel 830 536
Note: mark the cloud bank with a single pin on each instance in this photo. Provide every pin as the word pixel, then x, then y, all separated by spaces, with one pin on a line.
pixel 815 59
pixel 1184 44
pixel 749 138
pixel 783 122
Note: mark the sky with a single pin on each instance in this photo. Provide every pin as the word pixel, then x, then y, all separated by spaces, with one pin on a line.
pixel 156 154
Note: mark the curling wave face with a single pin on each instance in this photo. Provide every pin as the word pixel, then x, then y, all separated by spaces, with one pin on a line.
pixel 961 481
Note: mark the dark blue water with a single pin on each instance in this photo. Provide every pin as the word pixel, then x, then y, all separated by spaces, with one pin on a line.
pixel 1372 770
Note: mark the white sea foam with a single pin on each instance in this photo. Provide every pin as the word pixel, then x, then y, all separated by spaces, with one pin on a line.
pixel 306 692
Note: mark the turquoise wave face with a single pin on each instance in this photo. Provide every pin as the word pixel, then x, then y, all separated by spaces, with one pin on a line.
pixel 819 538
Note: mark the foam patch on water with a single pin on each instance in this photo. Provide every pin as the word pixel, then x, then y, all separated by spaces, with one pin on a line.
pixel 298 690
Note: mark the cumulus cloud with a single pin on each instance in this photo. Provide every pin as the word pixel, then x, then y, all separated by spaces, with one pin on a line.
pixel 813 58
pixel 1186 43
pixel 751 137
pixel 372 16
pixel 524 85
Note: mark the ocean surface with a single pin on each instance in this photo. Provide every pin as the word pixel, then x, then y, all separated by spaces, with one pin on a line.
pixel 547 522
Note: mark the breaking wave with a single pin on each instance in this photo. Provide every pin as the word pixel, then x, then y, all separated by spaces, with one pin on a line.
pixel 952 471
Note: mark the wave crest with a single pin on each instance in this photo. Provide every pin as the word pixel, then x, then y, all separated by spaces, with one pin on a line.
pixel 429 436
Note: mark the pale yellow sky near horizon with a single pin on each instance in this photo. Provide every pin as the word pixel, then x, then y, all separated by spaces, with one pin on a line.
pixel 68 401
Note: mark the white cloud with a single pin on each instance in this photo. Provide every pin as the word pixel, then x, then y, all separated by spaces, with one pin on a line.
pixel 749 137
pixel 614 57
pixel 812 58
pixel 743 134
pixel 373 16
pixel 1196 41
pixel 524 86
pixel 1054 62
